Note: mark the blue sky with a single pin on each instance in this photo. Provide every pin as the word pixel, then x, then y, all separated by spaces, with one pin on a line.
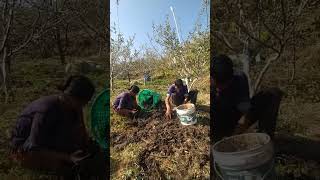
pixel 136 16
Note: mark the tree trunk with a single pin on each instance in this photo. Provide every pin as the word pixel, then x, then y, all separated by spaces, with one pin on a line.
pixel 60 48
pixel 293 75
pixel 8 65
pixel 111 80
pixel 294 58
pixel 100 48
pixel 4 74
pixel 246 69
pixel 45 53
pixel 264 70
pixel 129 77
pixel 192 83
pixel 111 84
pixel 66 46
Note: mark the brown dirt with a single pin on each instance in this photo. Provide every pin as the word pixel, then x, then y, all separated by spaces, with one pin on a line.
pixel 166 140
pixel 240 144
pixel 291 167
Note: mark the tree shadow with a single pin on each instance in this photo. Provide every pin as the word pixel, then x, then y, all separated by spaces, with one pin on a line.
pixel 203 115
pixel 202 120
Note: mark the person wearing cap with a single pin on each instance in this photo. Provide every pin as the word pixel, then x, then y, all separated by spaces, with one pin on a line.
pixel 126 104
pixel 178 94
pixel 50 133
pixel 232 109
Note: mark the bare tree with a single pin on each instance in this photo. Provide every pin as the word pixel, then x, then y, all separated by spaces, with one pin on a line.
pixel 190 59
pixel 115 50
pixel 128 58
pixel 265 30
pixel 122 57
pixel 12 43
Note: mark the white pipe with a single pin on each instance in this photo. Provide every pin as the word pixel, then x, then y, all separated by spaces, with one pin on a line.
pixel 175 22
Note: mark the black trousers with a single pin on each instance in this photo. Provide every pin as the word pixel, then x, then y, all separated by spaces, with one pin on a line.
pixel 192 97
pixel 96 166
pixel 265 108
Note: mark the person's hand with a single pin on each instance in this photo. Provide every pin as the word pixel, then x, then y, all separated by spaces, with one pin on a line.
pixel 78 156
pixel 168 114
pixel 242 120
pixel 134 112
pixel 242 126
pixel 240 129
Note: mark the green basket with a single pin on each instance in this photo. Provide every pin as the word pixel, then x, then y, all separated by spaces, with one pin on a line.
pixel 148 99
pixel 100 117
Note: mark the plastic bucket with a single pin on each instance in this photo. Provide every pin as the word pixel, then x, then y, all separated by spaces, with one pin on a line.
pixel 100 117
pixel 187 114
pixel 244 157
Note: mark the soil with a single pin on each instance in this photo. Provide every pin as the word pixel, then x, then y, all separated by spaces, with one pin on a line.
pixel 291 167
pixel 165 139
pixel 240 144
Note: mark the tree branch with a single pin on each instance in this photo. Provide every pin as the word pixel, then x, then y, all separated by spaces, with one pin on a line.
pixel 31 37
pixel 269 30
pixel 245 30
pixel 5 7
pixel 264 70
pixel 83 20
pixel 223 39
pixel 284 18
pixel 155 49
pixel 7 30
pixel 26 42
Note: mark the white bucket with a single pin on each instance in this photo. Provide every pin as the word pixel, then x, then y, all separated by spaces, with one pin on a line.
pixel 187 114
pixel 245 156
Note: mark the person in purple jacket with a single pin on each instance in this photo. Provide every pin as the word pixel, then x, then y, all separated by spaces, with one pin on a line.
pixel 178 94
pixel 126 104
pixel 50 134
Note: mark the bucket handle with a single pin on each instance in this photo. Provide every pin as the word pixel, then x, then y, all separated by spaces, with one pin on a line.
pixel 215 169
pixel 263 177
pixel 269 170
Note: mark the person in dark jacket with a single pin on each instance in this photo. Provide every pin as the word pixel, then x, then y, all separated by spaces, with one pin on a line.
pixel 126 104
pixel 178 94
pixel 50 133
pixel 232 109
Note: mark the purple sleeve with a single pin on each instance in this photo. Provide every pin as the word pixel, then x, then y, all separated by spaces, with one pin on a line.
pixel 185 91
pixel 39 130
pixel 116 103
pixel 171 90
pixel 123 101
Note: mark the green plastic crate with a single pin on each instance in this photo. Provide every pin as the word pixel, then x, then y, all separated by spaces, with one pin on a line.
pixel 148 99
pixel 100 118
